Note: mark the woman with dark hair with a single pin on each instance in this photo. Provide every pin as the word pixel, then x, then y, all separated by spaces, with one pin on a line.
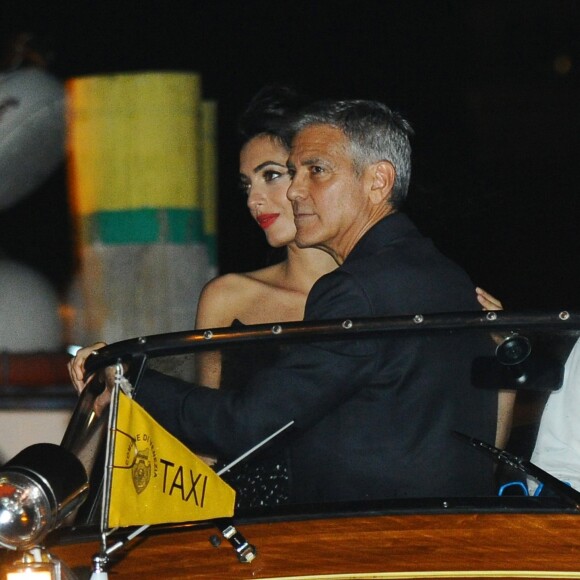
pixel 276 293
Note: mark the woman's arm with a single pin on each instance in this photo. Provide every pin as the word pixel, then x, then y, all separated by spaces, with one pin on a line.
pixel 215 309
pixel 506 398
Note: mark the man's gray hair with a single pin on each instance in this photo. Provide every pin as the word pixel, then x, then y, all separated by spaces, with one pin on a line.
pixel 375 133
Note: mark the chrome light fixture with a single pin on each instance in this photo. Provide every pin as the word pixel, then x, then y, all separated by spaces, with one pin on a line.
pixel 39 488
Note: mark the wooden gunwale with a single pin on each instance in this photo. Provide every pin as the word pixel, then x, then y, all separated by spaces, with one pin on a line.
pixel 434 545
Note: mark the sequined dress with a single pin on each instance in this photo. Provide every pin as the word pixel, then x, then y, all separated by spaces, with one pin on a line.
pixel 261 480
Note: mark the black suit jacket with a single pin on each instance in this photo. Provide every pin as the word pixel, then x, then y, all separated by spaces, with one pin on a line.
pixel 373 419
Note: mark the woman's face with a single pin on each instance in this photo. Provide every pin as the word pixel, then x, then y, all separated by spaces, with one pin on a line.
pixel 264 178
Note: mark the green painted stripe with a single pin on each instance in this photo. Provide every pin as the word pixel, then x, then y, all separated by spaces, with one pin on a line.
pixel 144 226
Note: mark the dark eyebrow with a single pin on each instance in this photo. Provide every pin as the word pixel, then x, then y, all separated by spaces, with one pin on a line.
pixel 266 163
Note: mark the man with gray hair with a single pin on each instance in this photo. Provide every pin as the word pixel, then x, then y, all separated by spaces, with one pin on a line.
pixel 372 418
pixel 364 137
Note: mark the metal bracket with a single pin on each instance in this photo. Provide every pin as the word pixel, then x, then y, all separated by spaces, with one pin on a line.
pixel 245 551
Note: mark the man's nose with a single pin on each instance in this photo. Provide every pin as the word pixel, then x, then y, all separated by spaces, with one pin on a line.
pixel 296 190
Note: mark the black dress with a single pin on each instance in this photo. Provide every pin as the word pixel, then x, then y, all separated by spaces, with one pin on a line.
pixel 262 479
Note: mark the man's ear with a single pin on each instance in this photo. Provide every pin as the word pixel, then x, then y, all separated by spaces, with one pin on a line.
pixel 383 181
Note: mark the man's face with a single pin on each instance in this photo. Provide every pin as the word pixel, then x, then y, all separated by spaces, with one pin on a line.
pixel 330 202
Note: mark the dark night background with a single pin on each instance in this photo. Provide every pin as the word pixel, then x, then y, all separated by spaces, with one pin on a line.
pixel 492 88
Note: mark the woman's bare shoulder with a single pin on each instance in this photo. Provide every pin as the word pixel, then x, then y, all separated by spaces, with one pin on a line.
pixel 224 298
pixel 230 286
pixel 248 282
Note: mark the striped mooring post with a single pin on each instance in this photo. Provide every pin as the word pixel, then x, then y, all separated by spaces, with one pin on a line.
pixel 142 180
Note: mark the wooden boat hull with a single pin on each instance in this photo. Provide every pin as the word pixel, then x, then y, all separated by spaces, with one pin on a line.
pixel 378 546
pixel 486 537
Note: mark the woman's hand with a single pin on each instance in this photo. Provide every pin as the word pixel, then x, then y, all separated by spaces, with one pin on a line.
pixel 76 366
pixel 487 301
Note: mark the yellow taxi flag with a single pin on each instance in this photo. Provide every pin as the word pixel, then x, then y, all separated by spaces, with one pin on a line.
pixel 156 479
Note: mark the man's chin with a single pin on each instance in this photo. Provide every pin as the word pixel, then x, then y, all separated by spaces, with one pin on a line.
pixel 303 241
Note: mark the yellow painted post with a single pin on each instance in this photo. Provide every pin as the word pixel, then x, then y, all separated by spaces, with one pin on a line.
pixel 136 172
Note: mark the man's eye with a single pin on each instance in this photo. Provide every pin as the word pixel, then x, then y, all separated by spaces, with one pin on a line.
pixel 291 173
pixel 315 169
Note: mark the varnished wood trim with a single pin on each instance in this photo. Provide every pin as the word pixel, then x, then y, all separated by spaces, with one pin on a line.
pixel 436 574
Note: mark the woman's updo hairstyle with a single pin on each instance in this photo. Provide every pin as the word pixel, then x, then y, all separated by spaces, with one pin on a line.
pixel 269 113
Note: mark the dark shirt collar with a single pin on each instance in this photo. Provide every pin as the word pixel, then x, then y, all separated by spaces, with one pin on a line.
pixel 390 228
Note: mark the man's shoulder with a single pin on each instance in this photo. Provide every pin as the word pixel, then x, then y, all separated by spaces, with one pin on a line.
pixel 386 237
pixel 405 272
pixel 396 244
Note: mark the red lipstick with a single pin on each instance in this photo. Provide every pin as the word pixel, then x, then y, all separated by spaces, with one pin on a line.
pixel 265 220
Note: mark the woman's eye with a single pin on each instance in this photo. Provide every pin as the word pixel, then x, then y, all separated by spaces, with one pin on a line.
pixel 244 187
pixel 271 175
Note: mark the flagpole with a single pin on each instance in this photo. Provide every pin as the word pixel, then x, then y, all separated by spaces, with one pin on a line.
pixel 255 448
pixel 101 559
pixel 110 449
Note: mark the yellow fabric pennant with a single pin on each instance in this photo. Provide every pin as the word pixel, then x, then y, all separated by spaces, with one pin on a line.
pixel 156 479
